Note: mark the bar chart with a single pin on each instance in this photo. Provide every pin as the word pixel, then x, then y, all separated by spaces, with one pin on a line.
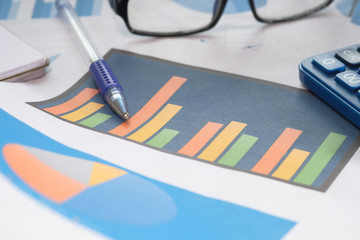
pixel 349 9
pixel 253 126
pixel 10 9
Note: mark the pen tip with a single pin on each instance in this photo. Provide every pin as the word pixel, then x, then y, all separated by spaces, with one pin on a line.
pixel 126 116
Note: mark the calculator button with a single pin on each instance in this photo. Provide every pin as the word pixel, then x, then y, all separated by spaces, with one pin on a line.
pixel 328 63
pixel 349 80
pixel 349 56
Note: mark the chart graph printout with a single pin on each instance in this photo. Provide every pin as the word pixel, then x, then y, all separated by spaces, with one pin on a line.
pixel 10 9
pixel 228 121
pixel 116 202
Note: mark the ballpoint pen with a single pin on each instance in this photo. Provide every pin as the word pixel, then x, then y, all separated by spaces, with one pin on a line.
pixel 105 80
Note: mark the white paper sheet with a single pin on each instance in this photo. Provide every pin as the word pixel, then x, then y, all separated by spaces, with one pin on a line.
pixel 237 45
pixel 22 62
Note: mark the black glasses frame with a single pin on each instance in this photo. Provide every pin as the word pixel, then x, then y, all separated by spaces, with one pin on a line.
pixel 120 7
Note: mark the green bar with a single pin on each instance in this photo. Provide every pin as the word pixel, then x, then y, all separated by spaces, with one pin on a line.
pixel 238 150
pixel 95 120
pixel 162 138
pixel 320 159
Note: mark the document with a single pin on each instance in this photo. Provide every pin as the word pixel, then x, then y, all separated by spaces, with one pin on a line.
pixel 277 114
pixel 19 61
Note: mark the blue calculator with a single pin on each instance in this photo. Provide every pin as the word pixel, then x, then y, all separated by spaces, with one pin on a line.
pixel 335 78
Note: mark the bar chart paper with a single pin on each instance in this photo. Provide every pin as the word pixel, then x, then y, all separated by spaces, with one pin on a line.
pixel 229 121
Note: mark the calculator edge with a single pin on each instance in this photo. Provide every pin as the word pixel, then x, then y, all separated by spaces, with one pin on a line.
pixel 328 96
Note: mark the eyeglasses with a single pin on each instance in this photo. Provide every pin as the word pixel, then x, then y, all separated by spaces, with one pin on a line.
pixel 184 17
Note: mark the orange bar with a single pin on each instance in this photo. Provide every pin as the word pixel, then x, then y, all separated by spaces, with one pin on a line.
pixel 39 176
pixel 276 151
pixel 84 96
pixel 150 108
pixel 200 139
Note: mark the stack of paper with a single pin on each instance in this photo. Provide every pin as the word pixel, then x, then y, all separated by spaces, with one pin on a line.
pixel 19 61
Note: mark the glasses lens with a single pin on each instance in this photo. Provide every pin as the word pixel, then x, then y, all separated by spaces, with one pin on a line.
pixel 171 16
pixel 277 10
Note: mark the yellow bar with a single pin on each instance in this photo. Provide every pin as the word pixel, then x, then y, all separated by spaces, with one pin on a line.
pixel 83 112
pixel 291 164
pixel 156 123
pixel 221 142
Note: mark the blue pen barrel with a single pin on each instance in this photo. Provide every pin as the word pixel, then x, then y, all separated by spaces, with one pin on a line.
pixel 109 87
pixel 105 80
pixel 103 76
